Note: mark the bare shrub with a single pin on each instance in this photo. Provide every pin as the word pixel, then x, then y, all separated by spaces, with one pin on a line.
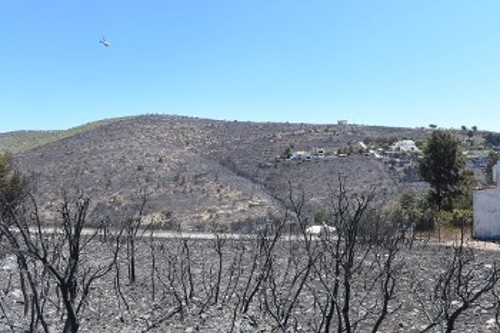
pixel 56 268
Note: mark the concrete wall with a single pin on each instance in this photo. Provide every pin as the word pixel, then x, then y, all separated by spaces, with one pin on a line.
pixel 486 214
pixel 486 205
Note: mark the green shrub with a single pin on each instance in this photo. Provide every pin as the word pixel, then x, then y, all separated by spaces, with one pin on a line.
pixel 456 218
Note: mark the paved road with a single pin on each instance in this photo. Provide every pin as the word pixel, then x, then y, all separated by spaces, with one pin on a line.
pixel 162 234
pixel 169 234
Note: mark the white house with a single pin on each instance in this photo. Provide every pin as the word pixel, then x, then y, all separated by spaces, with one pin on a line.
pixel 307 155
pixel 318 152
pixel 405 145
pixel 486 206
pixel 300 155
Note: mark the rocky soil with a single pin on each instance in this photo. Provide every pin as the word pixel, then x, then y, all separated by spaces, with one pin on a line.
pixel 164 299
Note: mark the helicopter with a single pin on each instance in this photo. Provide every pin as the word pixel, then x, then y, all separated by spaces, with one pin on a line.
pixel 104 42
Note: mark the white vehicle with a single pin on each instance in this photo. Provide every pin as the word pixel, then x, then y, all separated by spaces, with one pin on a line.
pixel 322 229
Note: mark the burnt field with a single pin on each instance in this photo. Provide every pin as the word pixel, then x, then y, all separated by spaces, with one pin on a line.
pixel 363 270
pixel 265 284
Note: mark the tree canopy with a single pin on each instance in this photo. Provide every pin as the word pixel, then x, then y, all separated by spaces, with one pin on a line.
pixel 441 167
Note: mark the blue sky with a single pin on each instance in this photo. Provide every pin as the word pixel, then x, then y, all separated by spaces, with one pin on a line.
pixel 387 62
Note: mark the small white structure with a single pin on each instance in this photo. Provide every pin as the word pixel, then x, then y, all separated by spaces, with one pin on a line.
pixel 320 229
pixel 300 155
pixel 486 206
pixel 318 153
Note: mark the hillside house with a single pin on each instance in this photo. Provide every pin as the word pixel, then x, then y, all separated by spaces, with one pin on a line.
pixel 486 206
pixel 300 155
pixel 318 152
pixel 405 146
pixel 307 155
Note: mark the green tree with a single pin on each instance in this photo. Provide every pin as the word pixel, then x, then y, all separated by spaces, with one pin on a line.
pixel 408 203
pixel 13 185
pixel 492 139
pixel 441 167
pixel 470 134
pixel 462 197
pixel 492 160
pixel 287 152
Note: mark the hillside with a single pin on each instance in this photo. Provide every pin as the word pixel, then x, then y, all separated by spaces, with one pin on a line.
pixel 200 172
pixel 22 141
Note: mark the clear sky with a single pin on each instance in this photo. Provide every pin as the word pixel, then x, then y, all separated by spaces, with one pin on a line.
pixel 387 62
